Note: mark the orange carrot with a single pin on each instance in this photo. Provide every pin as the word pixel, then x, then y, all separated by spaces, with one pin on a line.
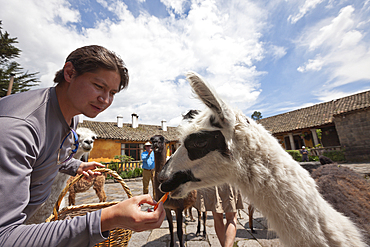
pixel 163 199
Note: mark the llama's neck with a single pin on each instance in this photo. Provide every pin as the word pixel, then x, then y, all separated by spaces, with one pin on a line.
pixel 159 161
pixel 282 190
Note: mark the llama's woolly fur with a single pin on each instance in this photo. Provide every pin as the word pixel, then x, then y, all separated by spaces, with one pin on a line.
pixel 278 186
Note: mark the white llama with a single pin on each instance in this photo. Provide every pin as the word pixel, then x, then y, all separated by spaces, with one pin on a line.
pixel 222 145
pixel 86 139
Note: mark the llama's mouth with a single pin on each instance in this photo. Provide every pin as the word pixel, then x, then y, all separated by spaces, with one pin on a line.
pixel 179 178
pixel 86 148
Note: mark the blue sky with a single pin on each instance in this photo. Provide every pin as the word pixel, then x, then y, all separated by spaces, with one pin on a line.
pixel 271 56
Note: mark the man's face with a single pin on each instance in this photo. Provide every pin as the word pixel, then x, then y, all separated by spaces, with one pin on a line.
pixel 93 92
pixel 147 148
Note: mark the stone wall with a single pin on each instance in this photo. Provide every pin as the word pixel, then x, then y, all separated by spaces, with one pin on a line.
pixel 353 129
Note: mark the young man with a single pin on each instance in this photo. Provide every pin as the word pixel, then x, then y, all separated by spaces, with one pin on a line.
pixel 148 168
pixel 37 140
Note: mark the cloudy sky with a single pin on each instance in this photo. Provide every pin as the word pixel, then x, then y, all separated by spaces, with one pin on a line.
pixel 271 56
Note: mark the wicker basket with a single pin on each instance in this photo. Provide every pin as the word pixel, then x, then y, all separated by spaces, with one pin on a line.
pixel 117 237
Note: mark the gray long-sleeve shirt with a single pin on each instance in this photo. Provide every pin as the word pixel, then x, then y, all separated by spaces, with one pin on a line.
pixel 32 128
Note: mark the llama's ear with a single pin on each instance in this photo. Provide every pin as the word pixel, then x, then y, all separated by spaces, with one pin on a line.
pixel 207 95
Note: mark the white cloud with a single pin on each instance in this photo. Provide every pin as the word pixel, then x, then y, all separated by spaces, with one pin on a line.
pixel 312 65
pixel 339 45
pixel 215 41
pixel 303 10
pixel 329 95
pixel 176 5
pixel 278 51
pixel 350 39
pixel 330 35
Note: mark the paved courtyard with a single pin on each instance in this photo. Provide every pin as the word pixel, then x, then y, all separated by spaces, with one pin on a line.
pixel 161 237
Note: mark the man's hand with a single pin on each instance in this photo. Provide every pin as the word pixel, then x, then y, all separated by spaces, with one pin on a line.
pixel 128 215
pixel 86 167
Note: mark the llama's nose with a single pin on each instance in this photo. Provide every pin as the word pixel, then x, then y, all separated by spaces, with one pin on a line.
pixel 88 141
pixel 161 178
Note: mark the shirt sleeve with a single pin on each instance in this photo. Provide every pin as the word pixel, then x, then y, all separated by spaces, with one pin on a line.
pixel 145 156
pixel 18 152
pixel 70 167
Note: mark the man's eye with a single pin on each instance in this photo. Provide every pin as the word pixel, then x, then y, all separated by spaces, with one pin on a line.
pixel 98 86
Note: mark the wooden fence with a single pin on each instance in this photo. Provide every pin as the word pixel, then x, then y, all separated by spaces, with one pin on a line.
pixel 122 166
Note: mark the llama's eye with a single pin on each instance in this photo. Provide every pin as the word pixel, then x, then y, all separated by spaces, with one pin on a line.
pixel 200 144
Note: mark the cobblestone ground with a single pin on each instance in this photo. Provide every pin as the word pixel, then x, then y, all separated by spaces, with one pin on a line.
pixel 161 237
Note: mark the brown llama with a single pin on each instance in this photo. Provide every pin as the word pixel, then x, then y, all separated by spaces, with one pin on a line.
pixel 347 192
pixel 83 185
pixel 159 148
pixel 86 139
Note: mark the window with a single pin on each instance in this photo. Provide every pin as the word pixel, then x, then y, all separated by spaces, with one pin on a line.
pixel 131 149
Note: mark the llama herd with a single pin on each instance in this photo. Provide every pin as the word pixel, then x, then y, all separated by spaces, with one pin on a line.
pixel 329 207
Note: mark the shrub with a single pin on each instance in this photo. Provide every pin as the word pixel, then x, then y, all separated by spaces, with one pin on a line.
pixel 132 173
pixel 124 158
pixel 335 155
pixel 297 156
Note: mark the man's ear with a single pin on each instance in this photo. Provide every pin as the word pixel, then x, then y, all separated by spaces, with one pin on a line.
pixel 68 71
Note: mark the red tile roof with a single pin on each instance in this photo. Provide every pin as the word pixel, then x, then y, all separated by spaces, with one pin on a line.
pixel 316 115
pixel 110 130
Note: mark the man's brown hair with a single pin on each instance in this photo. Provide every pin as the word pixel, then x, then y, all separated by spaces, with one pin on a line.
pixel 92 58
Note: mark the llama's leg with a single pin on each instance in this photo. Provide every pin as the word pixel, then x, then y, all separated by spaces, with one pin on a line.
pixel 170 225
pixel 189 210
pixel 204 223
pixel 240 214
pixel 101 194
pixel 250 214
pixel 179 220
pixel 199 222
pixel 71 198
pixel 99 190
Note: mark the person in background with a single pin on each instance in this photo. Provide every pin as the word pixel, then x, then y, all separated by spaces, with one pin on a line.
pixel 148 168
pixel 221 200
pixel 304 153
pixel 38 140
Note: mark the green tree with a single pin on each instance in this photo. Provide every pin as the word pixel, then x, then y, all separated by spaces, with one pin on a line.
pixel 256 115
pixel 23 81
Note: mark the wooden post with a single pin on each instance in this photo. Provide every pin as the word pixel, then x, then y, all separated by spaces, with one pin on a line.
pixel 10 84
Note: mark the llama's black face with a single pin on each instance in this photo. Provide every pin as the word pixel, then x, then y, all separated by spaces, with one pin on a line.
pixel 200 144
pixel 197 157
pixel 158 143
